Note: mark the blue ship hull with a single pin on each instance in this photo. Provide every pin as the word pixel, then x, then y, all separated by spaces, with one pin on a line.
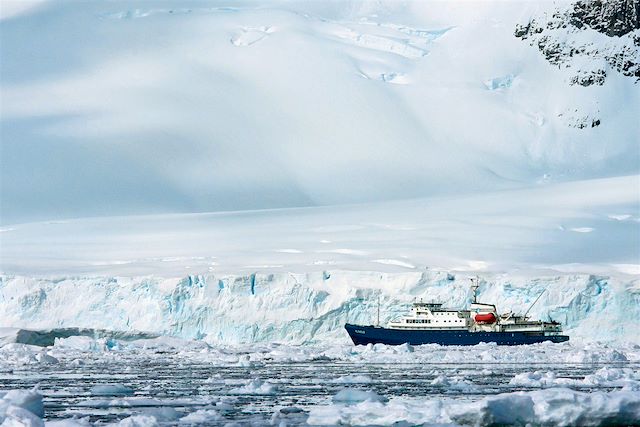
pixel 362 335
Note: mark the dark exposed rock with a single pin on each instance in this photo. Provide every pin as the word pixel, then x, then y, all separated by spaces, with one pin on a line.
pixel 619 19
pixel 522 31
pixel 587 79
pixel 576 118
pixel 614 18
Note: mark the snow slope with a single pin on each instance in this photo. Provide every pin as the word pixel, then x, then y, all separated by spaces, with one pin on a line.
pixel 134 107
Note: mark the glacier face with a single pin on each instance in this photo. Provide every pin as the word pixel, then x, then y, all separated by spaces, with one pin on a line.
pixel 307 308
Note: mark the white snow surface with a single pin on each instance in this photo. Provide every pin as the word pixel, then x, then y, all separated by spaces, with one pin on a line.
pixel 541 227
pixel 138 107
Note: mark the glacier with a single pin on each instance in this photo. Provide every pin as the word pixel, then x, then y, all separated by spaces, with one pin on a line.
pixel 306 308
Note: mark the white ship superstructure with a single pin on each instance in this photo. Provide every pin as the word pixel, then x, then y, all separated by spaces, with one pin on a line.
pixel 480 317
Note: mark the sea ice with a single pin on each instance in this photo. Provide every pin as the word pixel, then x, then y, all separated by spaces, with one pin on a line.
pixel 21 408
pixel 201 416
pixel 555 406
pixel 353 379
pixel 255 386
pixel 353 395
pixel 111 390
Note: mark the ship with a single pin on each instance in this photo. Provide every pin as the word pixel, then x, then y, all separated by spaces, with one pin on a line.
pixel 432 323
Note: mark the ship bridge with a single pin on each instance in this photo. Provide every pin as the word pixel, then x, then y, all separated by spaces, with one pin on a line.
pixel 432 315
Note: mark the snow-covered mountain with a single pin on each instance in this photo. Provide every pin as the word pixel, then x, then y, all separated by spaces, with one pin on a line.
pixel 137 107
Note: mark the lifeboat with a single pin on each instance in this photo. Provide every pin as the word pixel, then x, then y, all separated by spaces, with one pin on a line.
pixel 485 318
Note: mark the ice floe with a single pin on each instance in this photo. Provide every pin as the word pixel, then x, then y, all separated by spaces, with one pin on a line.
pixel 21 408
pixel 556 406
pixel 111 390
pixel 255 386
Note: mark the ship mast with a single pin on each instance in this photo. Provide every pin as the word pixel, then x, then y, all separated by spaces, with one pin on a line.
pixel 474 288
pixel 534 303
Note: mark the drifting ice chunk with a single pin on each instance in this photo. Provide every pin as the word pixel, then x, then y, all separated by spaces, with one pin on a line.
pixel 506 409
pixel 353 396
pixel 255 386
pixel 80 343
pixel 201 416
pixel 21 408
pixel 139 421
pixel 111 390
pixel 353 379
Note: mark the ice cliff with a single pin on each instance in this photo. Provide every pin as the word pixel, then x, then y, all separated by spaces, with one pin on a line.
pixel 304 308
